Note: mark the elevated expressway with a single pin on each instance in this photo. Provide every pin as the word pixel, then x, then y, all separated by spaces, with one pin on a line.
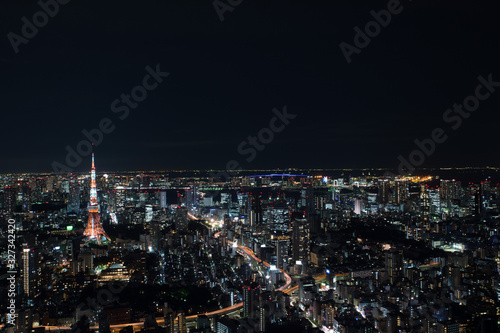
pixel 230 311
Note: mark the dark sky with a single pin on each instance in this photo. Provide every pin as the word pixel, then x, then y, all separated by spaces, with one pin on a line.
pixel 226 77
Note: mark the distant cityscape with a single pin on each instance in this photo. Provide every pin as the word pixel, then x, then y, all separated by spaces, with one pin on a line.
pixel 339 250
pixel 231 166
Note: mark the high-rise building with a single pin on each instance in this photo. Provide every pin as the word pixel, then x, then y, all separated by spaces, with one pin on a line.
pixel 251 291
pixel 26 271
pixel 10 200
pixel 25 321
pixel 202 323
pixel 264 309
pixel 307 287
pixel 307 199
pixel 383 191
pixel 401 191
pixel 300 240
pixel 25 197
pixel 155 234
pixel 226 325
pixel 169 322
pixel 358 203
pixel 450 192
pixel 163 199
pixel 181 322
pixel 435 201
pixel 256 209
pixel 281 244
pixel 393 264
pixel 29 273
pixel 448 327
pixel 277 219
pixel 94 230
pixel 74 196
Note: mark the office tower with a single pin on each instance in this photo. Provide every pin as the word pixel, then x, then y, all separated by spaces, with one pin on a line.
pixel 169 322
pixel 277 219
pixel 225 199
pixel 265 303
pixel 10 199
pixel 94 230
pixel 181 322
pixel 448 327
pixel 435 201
pixel 307 201
pixel 29 273
pixel 37 187
pixel 74 196
pixel 450 192
pixel 485 196
pixel 148 213
pixel 26 272
pixel 203 323
pixel 242 198
pixel 383 191
pixel 401 191
pixel 257 209
pixel 307 287
pixel 227 325
pixel 188 198
pixel 196 194
pixel 281 246
pixel 163 200
pixel 251 291
pixel 25 197
pixel 49 184
pixel 25 321
pixel 425 202
pixel 393 264
pixel 307 198
pixel 86 261
pixel 300 240
pixel 155 234
pixel 328 314
pixel 454 279
pixel 358 206
pixel 252 218
pixel 486 190
pixel 181 218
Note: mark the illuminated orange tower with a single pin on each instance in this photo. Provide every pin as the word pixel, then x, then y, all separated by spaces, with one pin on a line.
pixel 94 230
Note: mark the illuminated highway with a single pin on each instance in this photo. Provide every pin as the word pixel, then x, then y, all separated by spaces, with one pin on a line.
pixel 191 320
pixel 253 256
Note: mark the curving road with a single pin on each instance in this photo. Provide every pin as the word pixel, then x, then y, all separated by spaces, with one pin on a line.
pixel 190 320
pixel 250 253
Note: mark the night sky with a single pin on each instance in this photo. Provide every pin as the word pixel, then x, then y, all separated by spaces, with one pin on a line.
pixel 227 76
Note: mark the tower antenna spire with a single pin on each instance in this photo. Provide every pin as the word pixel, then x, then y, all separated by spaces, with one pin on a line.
pixel 93 166
pixel 94 229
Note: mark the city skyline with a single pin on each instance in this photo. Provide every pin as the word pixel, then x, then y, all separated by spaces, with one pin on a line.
pixel 232 166
pixel 365 113
pixel 287 237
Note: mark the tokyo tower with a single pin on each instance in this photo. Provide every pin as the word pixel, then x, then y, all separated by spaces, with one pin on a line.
pixel 94 230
